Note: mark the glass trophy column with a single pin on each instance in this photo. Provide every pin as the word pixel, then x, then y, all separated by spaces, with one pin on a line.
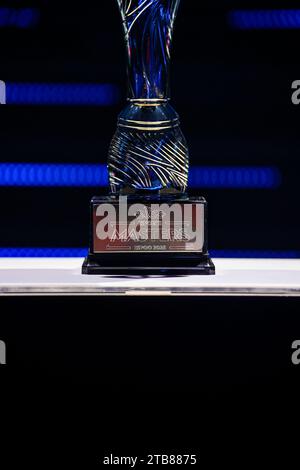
pixel 148 223
pixel 148 152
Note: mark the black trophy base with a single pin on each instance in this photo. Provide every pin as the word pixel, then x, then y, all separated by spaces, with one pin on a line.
pixel 205 266
pixel 173 241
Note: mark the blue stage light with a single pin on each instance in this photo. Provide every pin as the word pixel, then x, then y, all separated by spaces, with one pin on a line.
pixel 235 177
pixel 62 94
pixel 262 254
pixel 264 19
pixel 19 17
pixel 80 252
pixel 46 252
pixel 95 175
pixel 51 174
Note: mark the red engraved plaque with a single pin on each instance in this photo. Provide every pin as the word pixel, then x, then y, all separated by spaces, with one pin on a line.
pixel 123 227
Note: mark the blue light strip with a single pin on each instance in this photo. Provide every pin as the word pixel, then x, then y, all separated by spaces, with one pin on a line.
pixel 19 17
pixel 95 175
pixel 62 94
pixel 264 19
pixel 48 252
pixel 262 254
pixel 51 174
pixel 235 177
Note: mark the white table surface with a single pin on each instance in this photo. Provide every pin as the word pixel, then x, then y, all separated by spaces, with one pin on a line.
pixel 62 276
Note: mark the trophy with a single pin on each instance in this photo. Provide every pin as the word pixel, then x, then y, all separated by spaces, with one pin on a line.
pixel 148 224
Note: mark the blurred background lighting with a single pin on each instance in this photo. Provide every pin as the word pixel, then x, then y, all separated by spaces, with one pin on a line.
pixel 95 175
pixel 80 252
pixel 63 94
pixel 264 19
pixel 19 17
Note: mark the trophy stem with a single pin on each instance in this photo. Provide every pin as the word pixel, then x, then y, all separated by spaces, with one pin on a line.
pixel 148 34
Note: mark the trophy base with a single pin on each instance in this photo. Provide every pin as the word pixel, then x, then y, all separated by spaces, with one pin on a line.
pixel 205 266
pixel 146 235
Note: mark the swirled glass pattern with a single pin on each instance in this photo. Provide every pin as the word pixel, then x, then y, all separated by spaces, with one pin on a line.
pixel 148 151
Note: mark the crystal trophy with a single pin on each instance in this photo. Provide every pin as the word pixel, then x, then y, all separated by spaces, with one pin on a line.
pixel 148 224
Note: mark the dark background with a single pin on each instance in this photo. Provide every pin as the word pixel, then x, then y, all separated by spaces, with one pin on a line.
pixel 90 376
pixel 231 87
